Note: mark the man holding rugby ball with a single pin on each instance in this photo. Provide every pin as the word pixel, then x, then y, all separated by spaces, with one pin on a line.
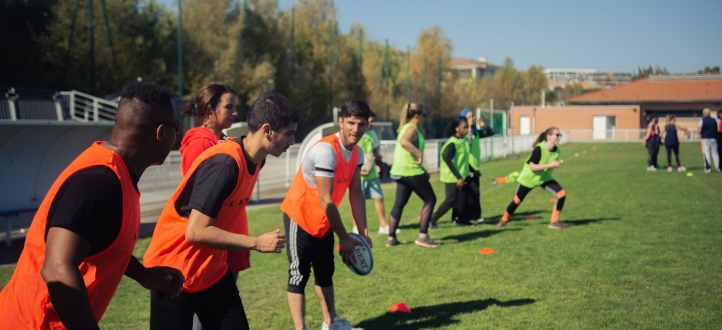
pixel 310 214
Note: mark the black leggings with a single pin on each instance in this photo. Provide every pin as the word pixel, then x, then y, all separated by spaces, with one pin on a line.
pixel 669 154
pixel 420 185
pixel 552 187
pixel 455 198
pixel 653 151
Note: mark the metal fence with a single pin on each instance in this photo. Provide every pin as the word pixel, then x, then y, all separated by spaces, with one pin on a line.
pixel 159 182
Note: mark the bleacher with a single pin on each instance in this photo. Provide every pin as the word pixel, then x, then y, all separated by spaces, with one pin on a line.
pixel 32 104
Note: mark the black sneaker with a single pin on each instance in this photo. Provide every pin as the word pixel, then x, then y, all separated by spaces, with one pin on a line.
pixel 433 226
pixel 426 242
pixel 393 242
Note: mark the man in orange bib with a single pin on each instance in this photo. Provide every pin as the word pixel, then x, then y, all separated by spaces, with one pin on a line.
pixel 206 217
pixel 81 240
pixel 331 166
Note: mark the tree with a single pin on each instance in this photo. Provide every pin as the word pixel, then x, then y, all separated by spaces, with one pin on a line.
pixel 708 70
pixel 644 73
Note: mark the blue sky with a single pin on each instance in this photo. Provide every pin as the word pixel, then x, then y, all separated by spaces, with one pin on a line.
pixel 684 36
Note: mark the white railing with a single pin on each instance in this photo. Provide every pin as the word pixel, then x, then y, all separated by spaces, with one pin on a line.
pixel 85 107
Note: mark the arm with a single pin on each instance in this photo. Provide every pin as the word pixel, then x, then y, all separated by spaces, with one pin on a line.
pixel 649 133
pixel 325 189
pixel 537 167
pixel 166 279
pixel 407 143
pixel 200 230
pixel 358 205
pixel 64 252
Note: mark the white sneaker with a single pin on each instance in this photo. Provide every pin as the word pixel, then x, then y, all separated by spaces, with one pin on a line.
pixel 385 230
pixel 355 230
pixel 707 170
pixel 651 168
pixel 339 324
pixel 480 220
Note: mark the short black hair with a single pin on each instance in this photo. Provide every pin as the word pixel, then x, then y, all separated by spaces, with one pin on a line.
pixel 273 109
pixel 451 128
pixel 372 113
pixel 353 108
pixel 143 104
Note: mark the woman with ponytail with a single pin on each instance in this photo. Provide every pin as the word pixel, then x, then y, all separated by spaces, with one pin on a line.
pixel 537 172
pixel 410 175
pixel 214 110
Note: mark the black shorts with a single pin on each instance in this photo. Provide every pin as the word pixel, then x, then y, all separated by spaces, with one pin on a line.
pixel 217 307
pixel 305 251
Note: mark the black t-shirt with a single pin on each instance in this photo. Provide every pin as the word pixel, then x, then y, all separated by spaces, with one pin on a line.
pixel 90 204
pixel 536 155
pixel 211 183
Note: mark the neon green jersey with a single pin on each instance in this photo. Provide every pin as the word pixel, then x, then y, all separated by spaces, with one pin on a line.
pixel 461 160
pixel 531 179
pixel 403 159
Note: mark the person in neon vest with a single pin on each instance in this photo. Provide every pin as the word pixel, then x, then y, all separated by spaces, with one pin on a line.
pixel 81 240
pixel 454 173
pixel 410 175
pixel 331 167
pixel 537 172
pixel 472 137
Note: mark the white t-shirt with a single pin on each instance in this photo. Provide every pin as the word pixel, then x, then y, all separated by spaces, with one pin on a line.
pixel 321 160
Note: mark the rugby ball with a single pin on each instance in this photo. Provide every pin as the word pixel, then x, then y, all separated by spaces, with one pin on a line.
pixel 369 163
pixel 364 259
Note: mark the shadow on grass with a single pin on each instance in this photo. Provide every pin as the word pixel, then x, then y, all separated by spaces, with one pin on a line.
pixel 436 316
pixel 582 222
pixel 476 234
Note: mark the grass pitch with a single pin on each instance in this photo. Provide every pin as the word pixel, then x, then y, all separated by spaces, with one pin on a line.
pixel 642 252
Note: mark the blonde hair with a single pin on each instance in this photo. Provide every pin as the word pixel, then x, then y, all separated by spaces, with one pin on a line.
pixel 705 112
pixel 409 111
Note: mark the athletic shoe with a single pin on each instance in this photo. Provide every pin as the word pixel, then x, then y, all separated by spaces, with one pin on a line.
pixel 669 169
pixel 651 168
pixel 339 324
pixel 557 225
pixel 681 169
pixel 707 170
pixel 385 230
pixel 393 242
pixel 426 242
pixel 501 223
pixel 355 230
pixel 480 220
pixel 462 224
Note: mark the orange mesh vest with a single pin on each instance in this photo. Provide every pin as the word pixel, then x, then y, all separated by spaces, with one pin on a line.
pixel 24 302
pixel 203 266
pixel 303 204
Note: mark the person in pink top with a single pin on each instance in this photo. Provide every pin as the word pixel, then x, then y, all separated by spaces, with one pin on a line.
pixel 214 110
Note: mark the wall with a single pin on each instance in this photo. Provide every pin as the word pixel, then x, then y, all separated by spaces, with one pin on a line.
pixel 573 117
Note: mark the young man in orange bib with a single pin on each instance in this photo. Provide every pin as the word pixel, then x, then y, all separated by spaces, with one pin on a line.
pixel 81 240
pixel 310 214
pixel 206 217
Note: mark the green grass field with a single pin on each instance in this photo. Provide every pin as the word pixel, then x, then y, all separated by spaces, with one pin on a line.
pixel 642 252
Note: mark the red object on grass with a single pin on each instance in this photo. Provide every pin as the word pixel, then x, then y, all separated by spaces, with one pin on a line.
pixel 552 200
pixel 530 217
pixel 338 247
pixel 486 251
pixel 400 307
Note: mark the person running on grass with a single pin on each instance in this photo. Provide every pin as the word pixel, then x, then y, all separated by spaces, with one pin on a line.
pixel 310 215
pixel 371 184
pixel 214 109
pixel 410 175
pixel 454 173
pixel 671 142
pixel 81 240
pixel 206 217
pixel 537 172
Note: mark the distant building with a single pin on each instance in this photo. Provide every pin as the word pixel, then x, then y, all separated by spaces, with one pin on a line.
pixel 588 76
pixel 472 69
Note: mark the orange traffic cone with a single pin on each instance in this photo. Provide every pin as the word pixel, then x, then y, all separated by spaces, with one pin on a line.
pixel 530 217
pixel 400 307
pixel 552 200
pixel 486 251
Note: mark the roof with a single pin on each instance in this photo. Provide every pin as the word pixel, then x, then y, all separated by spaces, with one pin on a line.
pixel 658 89
pixel 455 61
